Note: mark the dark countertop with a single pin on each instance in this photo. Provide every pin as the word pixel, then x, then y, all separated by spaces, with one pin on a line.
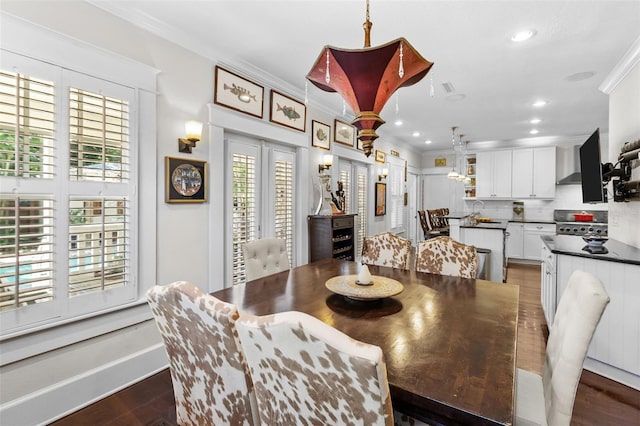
pixel 498 224
pixel 531 221
pixel 455 215
pixel 573 245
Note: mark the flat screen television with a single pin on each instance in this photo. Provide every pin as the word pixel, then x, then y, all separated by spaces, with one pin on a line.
pixel 593 190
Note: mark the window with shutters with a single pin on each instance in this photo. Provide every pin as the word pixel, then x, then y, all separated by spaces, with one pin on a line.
pixel 283 202
pixel 66 219
pixel 244 226
pixel 361 206
pixel 262 187
pixel 345 178
pixel 395 201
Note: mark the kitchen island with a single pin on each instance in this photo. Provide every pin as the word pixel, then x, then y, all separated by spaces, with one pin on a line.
pixel 491 236
pixel 615 349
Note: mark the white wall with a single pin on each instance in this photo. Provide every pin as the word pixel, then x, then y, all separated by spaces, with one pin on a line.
pixel 624 126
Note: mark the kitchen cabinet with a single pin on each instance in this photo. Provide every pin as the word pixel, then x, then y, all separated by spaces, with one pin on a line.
pixel 493 174
pixel 615 348
pixel 491 239
pixel 470 172
pixel 548 284
pixel 331 236
pixel 534 173
pixel 531 239
pixel 515 240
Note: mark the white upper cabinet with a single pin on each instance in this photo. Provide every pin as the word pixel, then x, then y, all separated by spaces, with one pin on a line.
pixel 534 173
pixel 493 174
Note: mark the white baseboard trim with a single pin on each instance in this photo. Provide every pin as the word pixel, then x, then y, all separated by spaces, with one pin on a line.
pixel 625 377
pixel 63 398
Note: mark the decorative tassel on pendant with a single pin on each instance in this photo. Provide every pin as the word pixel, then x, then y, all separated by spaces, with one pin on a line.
pixel 401 70
pixel 306 91
pixel 327 76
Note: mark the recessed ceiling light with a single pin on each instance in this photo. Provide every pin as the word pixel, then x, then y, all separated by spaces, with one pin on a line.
pixel 533 131
pixel 416 134
pixel 457 97
pixel 427 141
pixel 523 35
pixel 535 121
pixel 398 123
pixel 539 103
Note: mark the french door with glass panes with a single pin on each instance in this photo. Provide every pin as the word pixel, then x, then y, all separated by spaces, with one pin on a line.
pixel 260 199
pixel 354 178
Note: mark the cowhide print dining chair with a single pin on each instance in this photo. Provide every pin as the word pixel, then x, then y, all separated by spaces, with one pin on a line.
pixel 265 256
pixel 211 381
pixel 306 372
pixel 548 399
pixel 386 249
pixel 445 256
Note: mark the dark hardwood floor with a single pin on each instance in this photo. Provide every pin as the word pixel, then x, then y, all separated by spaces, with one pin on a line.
pixel 599 401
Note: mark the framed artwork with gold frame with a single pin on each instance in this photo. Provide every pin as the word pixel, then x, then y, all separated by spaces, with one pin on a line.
pixel 381 156
pixel 320 135
pixel 344 133
pixel 185 180
pixel 238 93
pixel 381 199
pixel 288 112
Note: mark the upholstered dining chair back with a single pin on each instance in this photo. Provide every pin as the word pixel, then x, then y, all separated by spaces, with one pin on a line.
pixel 307 372
pixel 265 256
pixel 445 256
pixel 211 381
pixel 386 249
pixel 548 399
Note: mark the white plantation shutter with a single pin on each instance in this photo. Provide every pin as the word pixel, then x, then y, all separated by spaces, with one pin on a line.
pixel 395 191
pixel 283 199
pixel 98 244
pixel 345 178
pixel 27 125
pixel 98 136
pixel 362 189
pixel 244 214
pixel 64 251
pixel 26 251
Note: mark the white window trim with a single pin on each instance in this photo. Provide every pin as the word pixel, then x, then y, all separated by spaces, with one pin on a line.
pixel 59 50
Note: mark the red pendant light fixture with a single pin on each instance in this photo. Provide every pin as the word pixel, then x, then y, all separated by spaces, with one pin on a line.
pixel 366 78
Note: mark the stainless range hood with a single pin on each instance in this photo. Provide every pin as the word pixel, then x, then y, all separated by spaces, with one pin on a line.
pixel 568 165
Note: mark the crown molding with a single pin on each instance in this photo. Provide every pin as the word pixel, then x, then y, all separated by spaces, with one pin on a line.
pixel 629 60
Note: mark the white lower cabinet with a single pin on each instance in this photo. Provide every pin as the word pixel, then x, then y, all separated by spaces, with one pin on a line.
pixel 548 284
pixel 614 351
pixel 523 240
pixel 531 239
pixel 515 240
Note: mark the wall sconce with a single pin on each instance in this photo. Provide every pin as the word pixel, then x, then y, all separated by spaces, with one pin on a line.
pixel 193 129
pixel 326 164
pixel 383 175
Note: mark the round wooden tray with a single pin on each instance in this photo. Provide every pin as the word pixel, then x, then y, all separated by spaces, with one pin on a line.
pixel 345 285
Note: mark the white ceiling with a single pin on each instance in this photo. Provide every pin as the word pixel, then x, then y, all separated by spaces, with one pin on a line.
pixel 468 41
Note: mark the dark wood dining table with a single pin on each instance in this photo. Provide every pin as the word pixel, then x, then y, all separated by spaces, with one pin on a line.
pixel 449 343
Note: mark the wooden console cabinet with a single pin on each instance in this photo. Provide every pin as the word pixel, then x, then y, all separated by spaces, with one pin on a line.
pixel 331 236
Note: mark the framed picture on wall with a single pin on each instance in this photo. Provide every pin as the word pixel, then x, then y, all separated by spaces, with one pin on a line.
pixel 288 112
pixel 381 156
pixel 344 133
pixel 185 180
pixel 320 135
pixel 381 199
pixel 237 93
